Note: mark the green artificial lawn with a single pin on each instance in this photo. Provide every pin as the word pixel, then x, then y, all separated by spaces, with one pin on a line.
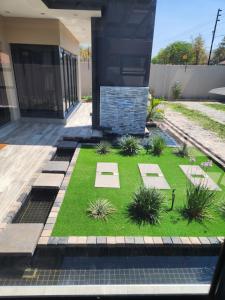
pixel 200 118
pixel 73 220
pixel 217 106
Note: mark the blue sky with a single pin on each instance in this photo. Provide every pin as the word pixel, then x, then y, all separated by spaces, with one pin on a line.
pixel 185 19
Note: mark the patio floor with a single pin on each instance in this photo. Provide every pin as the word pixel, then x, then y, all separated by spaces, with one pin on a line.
pixel 28 145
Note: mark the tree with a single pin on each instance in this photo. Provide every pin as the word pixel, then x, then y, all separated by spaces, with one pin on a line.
pixel 85 54
pixel 199 52
pixel 219 53
pixel 176 53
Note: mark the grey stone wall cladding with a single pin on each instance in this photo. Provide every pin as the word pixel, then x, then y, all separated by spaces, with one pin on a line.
pixel 123 109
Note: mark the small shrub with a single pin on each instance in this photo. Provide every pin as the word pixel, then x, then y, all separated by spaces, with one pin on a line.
pixel 176 90
pixel 87 98
pixel 103 148
pixel 155 111
pixel 222 208
pixel 182 151
pixel 199 200
pixel 101 209
pixel 129 145
pixel 146 206
pixel 158 145
pixel 147 144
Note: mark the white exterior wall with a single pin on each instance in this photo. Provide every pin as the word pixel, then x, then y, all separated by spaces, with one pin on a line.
pixel 196 81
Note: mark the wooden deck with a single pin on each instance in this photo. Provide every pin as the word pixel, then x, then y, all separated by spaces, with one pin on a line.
pixel 29 144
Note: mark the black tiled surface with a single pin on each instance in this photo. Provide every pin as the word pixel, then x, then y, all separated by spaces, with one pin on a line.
pixel 63 155
pixel 80 270
pixel 36 207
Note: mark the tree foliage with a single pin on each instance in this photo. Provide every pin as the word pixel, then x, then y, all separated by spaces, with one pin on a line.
pixel 180 52
pixel 219 53
pixel 199 52
pixel 175 53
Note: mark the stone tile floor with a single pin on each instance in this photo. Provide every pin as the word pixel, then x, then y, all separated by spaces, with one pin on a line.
pixel 29 144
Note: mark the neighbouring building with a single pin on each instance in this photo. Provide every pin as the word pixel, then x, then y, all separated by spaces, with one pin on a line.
pixel 39 59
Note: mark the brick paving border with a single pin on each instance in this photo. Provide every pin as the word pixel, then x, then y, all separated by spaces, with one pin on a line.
pixel 84 241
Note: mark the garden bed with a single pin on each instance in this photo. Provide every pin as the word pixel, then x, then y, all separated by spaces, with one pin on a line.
pixel 73 220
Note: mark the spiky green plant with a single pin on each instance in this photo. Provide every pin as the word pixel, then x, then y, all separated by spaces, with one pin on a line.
pixel 158 145
pixel 199 200
pixel 129 145
pixel 182 151
pixel 103 148
pixel 101 209
pixel 146 206
pixel 155 111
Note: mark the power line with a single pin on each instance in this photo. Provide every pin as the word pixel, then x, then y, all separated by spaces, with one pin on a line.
pixel 214 32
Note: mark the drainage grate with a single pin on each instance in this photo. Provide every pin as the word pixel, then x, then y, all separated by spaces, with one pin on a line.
pixel 63 155
pixel 37 207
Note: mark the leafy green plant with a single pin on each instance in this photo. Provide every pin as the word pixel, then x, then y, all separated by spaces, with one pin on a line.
pixel 155 111
pixel 176 90
pixel 158 145
pixel 103 148
pixel 87 98
pixel 147 144
pixel 129 145
pixel 182 151
pixel 199 200
pixel 101 209
pixel 222 208
pixel 146 206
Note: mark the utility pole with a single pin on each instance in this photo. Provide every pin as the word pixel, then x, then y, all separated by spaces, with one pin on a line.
pixel 214 32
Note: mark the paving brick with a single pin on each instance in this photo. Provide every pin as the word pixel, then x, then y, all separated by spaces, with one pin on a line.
pixel 221 239
pixel 53 240
pixel 157 240
pixel 51 220
pixel 185 241
pixel 148 240
pixel 176 240
pixel 46 233
pixel 111 240
pixel 204 241
pixel 53 214
pixel 213 240
pixel 120 240
pixel 72 240
pixel 167 240
pixel 63 240
pixel 82 240
pixel 55 209
pixel 129 240
pixel 43 240
pixel 139 240
pixel 91 240
pixel 194 240
pixel 101 240
pixel 48 226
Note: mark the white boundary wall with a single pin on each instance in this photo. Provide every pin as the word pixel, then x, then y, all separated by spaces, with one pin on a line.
pixel 196 81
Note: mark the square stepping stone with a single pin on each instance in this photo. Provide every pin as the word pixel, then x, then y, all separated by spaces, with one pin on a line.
pixel 56 167
pixel 198 176
pixel 153 177
pixel 69 145
pixel 107 175
pixel 48 181
pixel 20 238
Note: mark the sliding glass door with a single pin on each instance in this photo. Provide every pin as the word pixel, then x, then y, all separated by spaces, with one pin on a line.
pixel 69 79
pixel 4 107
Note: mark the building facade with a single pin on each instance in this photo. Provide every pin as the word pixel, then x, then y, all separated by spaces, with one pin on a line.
pixel 40 60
